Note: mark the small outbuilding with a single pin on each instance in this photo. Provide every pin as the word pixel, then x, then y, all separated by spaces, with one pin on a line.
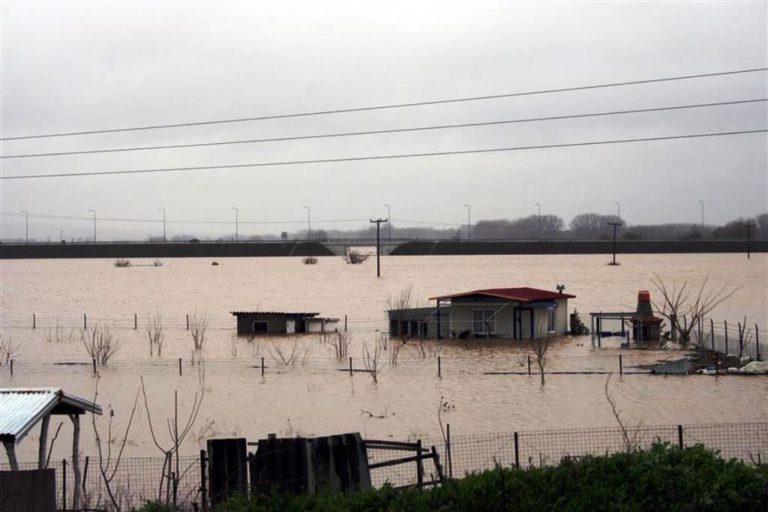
pixel 21 409
pixel 251 323
pixel 519 313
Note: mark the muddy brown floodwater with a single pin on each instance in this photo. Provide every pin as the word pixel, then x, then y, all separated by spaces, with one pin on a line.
pixel 316 395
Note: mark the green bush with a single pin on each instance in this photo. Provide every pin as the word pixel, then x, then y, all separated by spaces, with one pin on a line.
pixel 659 479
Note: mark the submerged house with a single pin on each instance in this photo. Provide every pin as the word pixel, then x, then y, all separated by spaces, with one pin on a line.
pixel 519 313
pixel 280 322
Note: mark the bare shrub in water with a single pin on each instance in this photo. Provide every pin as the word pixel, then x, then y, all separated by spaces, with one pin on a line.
pixel 57 334
pixel 198 327
pixel 299 353
pixel 7 349
pixel 371 361
pixel 539 347
pixel 100 344
pixel 341 342
pixel 122 263
pixel 309 260
pixel 155 333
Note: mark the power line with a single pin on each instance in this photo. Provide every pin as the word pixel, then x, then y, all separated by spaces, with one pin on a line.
pixel 177 221
pixel 393 130
pixel 384 107
pixel 376 157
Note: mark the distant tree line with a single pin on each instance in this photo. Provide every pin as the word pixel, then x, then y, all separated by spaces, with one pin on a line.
pixel 584 226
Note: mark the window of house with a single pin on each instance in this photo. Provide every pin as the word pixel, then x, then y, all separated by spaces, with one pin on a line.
pixel 483 321
pixel 551 319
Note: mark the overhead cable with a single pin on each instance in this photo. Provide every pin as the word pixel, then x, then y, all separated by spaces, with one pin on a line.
pixel 385 107
pixel 374 157
pixel 392 130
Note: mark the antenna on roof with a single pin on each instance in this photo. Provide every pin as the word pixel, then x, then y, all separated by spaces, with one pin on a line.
pixel 560 288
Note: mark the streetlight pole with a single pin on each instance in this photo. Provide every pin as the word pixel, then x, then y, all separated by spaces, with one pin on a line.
pixel 94 224
pixel 237 221
pixel 538 221
pixel 309 222
pixel 618 209
pixel 389 217
pixel 702 218
pixel 26 226
pixel 164 238
pixel 749 225
pixel 378 244
pixel 469 222
pixel 615 225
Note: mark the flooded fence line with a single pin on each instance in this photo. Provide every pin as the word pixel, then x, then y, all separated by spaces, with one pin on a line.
pixel 737 338
pixel 403 464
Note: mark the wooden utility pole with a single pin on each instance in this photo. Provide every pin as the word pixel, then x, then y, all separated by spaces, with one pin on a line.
pixel 378 244
pixel 615 225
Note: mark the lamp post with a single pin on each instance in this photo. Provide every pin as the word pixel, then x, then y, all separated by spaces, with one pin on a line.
pixel 237 221
pixel 164 238
pixel 702 217
pixel 618 209
pixel 309 222
pixel 538 220
pixel 26 226
pixel 469 222
pixel 94 224
pixel 389 218
pixel 615 225
pixel 749 225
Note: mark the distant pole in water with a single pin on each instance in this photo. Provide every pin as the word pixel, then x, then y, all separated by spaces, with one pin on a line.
pixel 378 244
pixel 389 216
pixel 94 224
pixel 615 225
pixel 309 222
pixel 163 210
pixel 749 225
pixel 469 221
pixel 237 222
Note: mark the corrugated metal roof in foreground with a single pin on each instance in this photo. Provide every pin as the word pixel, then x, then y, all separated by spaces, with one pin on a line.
pixel 21 409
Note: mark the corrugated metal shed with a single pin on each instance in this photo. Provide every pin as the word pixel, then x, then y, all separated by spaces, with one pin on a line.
pixel 22 409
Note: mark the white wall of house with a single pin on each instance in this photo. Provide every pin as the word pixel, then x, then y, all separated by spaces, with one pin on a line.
pixel 502 316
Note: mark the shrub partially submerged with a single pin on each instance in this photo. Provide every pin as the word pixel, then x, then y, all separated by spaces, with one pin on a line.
pixel 355 257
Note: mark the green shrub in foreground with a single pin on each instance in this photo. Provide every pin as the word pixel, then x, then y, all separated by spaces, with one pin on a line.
pixel 662 478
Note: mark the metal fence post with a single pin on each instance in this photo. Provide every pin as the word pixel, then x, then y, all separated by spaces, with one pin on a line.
pixel 757 342
pixel 529 365
pixel 179 367
pixel 621 365
pixel 187 321
pixel 85 321
pixel 350 366
pixel 262 366
pixel 439 367
pixel 680 437
pixel 517 451
pixel 135 322
pixel 448 449
pixel 34 321
pixel 712 333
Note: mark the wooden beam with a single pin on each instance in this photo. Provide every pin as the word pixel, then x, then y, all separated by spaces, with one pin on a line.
pixel 10 450
pixel 41 451
pixel 75 461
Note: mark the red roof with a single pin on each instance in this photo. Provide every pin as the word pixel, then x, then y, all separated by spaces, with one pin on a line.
pixel 522 294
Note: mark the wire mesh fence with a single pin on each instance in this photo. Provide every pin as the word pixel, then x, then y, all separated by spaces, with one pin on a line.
pixel 137 480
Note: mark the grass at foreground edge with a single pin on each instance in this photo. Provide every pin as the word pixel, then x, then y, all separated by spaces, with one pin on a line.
pixel 661 478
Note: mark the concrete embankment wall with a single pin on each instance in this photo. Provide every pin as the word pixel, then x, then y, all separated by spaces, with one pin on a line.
pixel 577 247
pixel 160 250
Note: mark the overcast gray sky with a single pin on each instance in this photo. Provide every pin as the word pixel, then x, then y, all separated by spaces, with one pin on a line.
pixel 95 65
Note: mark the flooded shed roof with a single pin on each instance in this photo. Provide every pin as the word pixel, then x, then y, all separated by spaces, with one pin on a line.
pixel 22 408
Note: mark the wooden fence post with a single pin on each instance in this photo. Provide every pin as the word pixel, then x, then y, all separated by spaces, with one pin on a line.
pixel 419 467
pixel 725 326
pixel 529 365
pixel 517 451
pixel 179 367
pixel 345 323
pixel 757 343
pixel 187 321
pixel 11 361
pixel 85 321
pixel 439 367
pixel 621 365
pixel 350 366
pixel 135 322
pixel 34 321
pixel 262 366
